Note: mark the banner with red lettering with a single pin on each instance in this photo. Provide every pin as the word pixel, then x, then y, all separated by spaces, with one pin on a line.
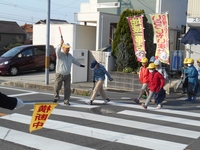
pixel 41 113
pixel 137 33
pixel 161 32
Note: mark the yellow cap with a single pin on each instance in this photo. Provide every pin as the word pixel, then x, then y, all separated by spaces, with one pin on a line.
pixel 198 60
pixel 185 61
pixel 144 60
pixel 66 45
pixel 190 60
pixel 151 66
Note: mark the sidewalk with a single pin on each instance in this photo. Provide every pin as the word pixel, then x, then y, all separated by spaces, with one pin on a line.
pixel 37 80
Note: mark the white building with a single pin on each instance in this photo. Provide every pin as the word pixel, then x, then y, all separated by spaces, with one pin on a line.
pixel 192 38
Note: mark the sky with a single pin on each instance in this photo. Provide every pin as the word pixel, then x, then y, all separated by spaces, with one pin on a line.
pixel 31 11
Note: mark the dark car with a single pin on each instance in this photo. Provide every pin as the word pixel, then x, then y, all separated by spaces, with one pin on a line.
pixel 26 58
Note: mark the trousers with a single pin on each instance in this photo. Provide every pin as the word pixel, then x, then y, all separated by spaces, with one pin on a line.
pixel 59 80
pixel 98 88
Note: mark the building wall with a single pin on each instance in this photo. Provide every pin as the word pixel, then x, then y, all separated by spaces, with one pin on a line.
pixel 149 6
pixel 193 8
pixel 85 37
pixel 177 10
pixel 104 23
pixel 193 20
pixel 79 37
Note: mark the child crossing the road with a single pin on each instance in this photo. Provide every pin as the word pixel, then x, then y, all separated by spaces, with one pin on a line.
pixel 98 76
pixel 156 83
pixel 143 77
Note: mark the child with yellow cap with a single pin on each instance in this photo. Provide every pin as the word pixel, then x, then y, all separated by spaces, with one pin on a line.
pixel 156 83
pixel 143 77
pixel 192 80
pixel 184 73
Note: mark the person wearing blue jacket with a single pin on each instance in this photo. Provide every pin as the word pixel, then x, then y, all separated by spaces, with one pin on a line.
pixel 192 80
pixel 98 77
pixel 184 78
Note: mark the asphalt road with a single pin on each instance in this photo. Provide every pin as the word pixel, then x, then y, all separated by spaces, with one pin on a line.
pixel 120 124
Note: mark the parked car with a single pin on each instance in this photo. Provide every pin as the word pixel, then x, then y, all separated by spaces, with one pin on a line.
pixel 26 58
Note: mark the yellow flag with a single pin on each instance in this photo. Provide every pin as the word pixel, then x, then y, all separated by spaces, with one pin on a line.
pixel 41 113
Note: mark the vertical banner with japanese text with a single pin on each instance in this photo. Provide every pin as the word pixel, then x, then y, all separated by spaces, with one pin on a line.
pixel 161 32
pixel 137 33
pixel 41 113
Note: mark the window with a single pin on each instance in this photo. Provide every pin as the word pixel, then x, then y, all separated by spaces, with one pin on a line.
pixel 39 50
pixel 27 53
pixel 108 5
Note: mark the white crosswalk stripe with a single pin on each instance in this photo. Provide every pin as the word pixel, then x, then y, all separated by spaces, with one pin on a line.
pixel 101 134
pixel 39 142
pixel 98 133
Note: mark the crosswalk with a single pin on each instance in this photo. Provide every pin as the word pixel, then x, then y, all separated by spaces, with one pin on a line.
pixel 132 126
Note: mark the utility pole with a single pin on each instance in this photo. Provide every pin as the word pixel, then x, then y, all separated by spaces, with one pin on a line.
pixel 47 43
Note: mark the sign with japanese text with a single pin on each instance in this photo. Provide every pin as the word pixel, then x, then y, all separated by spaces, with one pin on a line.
pixel 161 32
pixel 41 113
pixel 137 33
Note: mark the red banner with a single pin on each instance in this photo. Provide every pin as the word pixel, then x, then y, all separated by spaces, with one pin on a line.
pixel 160 25
pixel 137 33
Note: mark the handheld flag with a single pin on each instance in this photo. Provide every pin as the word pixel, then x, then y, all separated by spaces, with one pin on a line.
pixel 41 113
pixel 60 33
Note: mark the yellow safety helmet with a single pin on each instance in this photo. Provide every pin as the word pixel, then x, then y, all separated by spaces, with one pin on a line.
pixel 198 60
pixel 151 66
pixel 190 60
pixel 144 60
pixel 185 61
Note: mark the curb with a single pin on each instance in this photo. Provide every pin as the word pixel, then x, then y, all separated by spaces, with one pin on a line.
pixel 45 87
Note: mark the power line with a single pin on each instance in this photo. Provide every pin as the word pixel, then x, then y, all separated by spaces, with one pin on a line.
pixel 146 6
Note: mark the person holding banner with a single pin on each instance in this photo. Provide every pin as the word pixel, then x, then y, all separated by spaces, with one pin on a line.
pixel 143 77
pixel 63 69
pixel 10 102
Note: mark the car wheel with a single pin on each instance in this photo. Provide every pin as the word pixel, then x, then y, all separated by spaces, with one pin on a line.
pixel 52 66
pixel 13 71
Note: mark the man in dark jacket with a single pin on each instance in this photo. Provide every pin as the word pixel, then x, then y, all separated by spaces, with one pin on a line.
pixel 10 102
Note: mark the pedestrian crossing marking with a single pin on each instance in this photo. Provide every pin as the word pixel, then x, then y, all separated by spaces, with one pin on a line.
pixel 160 117
pixel 102 134
pixel 78 105
pixel 127 123
pixel 35 141
pixel 169 111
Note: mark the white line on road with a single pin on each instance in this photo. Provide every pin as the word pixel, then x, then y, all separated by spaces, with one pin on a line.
pixel 101 134
pixel 35 141
pixel 160 117
pixel 127 123
pixel 23 94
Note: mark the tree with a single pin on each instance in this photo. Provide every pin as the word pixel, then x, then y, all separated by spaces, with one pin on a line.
pixel 123 45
